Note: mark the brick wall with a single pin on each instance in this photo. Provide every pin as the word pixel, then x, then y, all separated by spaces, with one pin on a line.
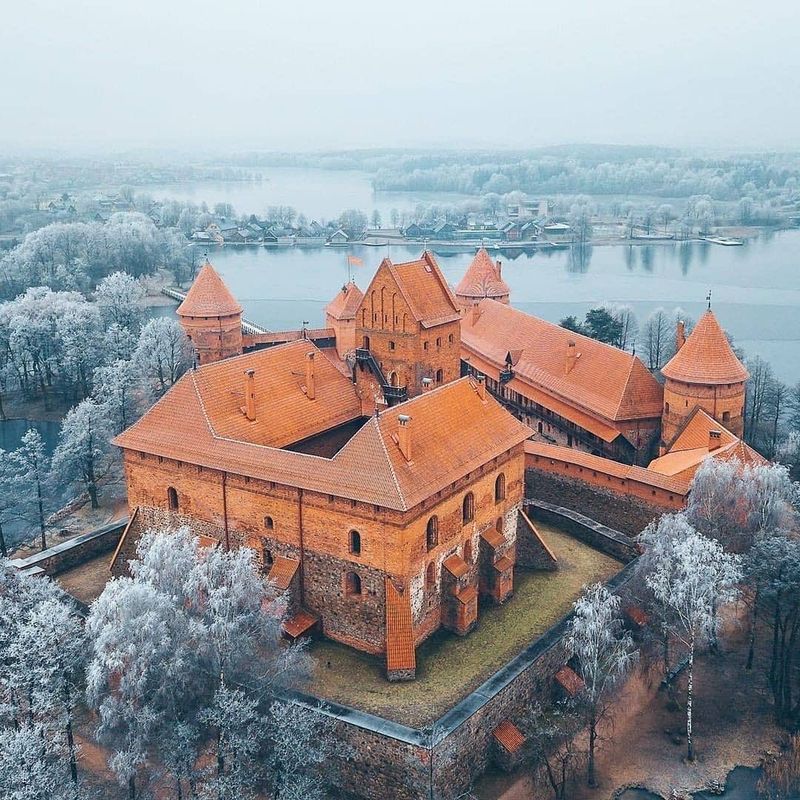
pixel 627 513
pixel 214 338
pixel 681 398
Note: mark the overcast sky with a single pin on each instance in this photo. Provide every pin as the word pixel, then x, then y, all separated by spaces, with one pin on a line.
pixel 240 73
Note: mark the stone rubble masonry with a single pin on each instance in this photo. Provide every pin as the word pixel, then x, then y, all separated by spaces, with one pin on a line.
pixel 272 519
pixel 627 513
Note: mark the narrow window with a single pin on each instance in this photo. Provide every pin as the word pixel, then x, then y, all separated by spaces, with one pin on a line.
pixel 172 499
pixel 439 376
pixel 268 558
pixel 352 584
pixel 432 532
pixel 500 488
pixel 430 578
pixel 498 526
pixel 468 508
pixel 450 338
pixel 355 543
pixel 666 408
pixel 424 345
pixel 269 523
pixel 438 341
pixel 726 416
pixel 468 551
pixel 391 345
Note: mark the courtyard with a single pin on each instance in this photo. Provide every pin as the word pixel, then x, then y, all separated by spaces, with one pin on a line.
pixel 448 666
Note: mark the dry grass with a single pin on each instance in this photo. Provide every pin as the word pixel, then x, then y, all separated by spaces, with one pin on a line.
pixel 449 667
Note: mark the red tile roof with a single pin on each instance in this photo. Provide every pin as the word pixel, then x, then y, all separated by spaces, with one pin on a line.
pixel 569 680
pixel 424 289
pixel 456 566
pixel 638 616
pixel 707 356
pixel 605 466
pixel 200 421
pixel 509 736
pixel 346 302
pixel 482 279
pixel 400 655
pixel 493 538
pixel 298 624
pixel 605 383
pixel 690 448
pixel 467 595
pixel 503 564
pixel 282 571
pixel 208 296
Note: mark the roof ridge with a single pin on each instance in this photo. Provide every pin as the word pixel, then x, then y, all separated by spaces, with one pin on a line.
pixel 389 462
pixel 434 264
pixel 624 391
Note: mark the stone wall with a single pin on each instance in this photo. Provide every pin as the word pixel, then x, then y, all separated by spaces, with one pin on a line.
pixel 626 513
pixel 65 555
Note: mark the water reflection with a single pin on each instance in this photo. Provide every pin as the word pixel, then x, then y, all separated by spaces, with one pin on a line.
pixel 647 256
pixel 685 256
pixel 579 257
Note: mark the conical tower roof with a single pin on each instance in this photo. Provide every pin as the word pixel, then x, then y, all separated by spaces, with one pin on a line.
pixel 208 296
pixel 707 357
pixel 346 302
pixel 482 279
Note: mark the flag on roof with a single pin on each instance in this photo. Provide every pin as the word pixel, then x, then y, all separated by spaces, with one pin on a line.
pixel 354 261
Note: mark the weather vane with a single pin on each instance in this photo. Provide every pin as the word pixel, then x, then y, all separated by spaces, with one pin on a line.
pixel 708 298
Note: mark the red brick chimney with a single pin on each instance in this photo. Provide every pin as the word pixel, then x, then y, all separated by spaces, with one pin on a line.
pixel 404 436
pixel 572 357
pixel 499 268
pixel 481 387
pixel 310 388
pixel 714 440
pixel 680 335
pixel 250 394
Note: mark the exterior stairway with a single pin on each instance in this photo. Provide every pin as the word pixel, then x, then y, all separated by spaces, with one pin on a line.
pixel 393 394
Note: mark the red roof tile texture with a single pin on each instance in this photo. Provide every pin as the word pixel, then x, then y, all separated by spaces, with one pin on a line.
pixel 346 302
pixel 509 736
pixel 605 382
pixel 707 357
pixel 400 655
pixel 482 279
pixel 298 624
pixel 691 447
pixel 200 421
pixel 425 290
pixel 282 571
pixel 605 466
pixel 208 296
pixel 456 566
pixel 569 680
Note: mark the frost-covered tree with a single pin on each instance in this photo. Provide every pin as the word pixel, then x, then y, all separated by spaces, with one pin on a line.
pixel 118 343
pixel 9 495
pixel 692 575
pixel 32 464
pixel 43 649
pixel 186 661
pixel 115 389
pixel 119 298
pixel 83 454
pixel 163 353
pixel 604 652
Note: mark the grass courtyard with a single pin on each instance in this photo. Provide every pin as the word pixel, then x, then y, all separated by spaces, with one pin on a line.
pixel 449 667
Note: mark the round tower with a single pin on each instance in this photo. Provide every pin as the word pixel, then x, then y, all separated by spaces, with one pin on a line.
pixel 482 279
pixel 704 372
pixel 211 317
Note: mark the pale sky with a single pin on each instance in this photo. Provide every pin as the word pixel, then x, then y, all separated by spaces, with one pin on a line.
pixel 296 76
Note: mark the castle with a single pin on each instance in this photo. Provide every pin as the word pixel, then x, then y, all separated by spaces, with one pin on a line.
pixel 376 466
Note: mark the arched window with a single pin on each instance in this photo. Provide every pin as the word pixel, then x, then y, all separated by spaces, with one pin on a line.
pixel 269 523
pixel 450 338
pixel 500 488
pixel 468 551
pixel 391 345
pixel 666 408
pixel 439 376
pixel 267 556
pixel 498 526
pixel 468 508
pixel 172 498
pixel 438 341
pixel 352 584
pixel 539 427
pixel 430 577
pixel 355 543
pixel 432 532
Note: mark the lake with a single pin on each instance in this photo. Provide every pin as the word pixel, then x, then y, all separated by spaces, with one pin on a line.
pixel 755 288
pixel 317 193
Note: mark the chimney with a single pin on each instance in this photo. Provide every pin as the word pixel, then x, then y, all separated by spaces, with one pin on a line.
pixel 680 335
pixel 310 389
pixel 404 436
pixel 499 269
pixel 476 314
pixel 426 384
pixel 714 440
pixel 571 357
pixel 250 394
pixel 481 387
